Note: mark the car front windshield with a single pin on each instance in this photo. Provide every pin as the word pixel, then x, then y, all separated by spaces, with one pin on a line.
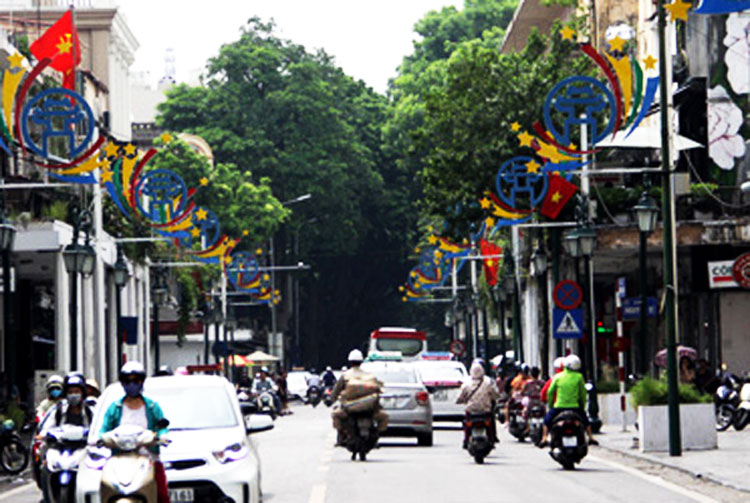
pixel 437 372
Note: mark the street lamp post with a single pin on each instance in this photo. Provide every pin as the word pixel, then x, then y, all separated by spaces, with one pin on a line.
pixel 230 325
pixel 159 293
pixel 587 243
pixel 646 212
pixel 540 266
pixel 502 297
pixel 121 275
pixel 78 259
pixel 7 238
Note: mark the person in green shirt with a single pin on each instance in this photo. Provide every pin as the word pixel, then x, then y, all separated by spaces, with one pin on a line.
pixel 567 392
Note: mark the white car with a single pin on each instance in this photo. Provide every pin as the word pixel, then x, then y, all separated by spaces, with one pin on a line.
pixel 443 379
pixel 205 422
pixel 296 384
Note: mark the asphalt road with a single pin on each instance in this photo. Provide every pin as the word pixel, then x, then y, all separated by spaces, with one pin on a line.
pixel 301 465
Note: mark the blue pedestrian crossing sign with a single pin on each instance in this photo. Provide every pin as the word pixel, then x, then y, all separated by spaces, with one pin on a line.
pixel 567 323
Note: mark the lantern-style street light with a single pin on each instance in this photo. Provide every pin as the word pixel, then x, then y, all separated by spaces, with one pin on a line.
pixel 646 212
pixel 121 275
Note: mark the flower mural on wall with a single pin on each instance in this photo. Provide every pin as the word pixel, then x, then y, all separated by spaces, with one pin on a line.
pixel 724 121
pixel 737 56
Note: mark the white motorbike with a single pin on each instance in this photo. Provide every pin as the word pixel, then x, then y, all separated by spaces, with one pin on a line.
pixel 65 452
pixel 742 415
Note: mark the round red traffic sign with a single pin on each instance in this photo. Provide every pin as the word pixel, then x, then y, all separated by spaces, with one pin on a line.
pixel 457 347
pixel 567 294
pixel 741 270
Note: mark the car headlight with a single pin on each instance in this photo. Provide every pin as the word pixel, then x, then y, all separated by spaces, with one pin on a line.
pixel 234 452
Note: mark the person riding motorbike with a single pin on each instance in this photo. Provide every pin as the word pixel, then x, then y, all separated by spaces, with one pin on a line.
pixel 480 396
pixel 136 409
pixel 329 378
pixel 92 392
pixel 313 381
pixel 54 395
pixel 339 415
pixel 73 409
pixel 567 392
pixel 516 387
pixel 263 383
pixel 531 392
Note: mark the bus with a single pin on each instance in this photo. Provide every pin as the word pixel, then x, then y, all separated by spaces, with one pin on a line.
pixel 410 342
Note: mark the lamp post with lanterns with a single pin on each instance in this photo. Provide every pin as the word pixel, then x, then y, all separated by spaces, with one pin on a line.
pixel 121 275
pixel 159 295
pixel 646 212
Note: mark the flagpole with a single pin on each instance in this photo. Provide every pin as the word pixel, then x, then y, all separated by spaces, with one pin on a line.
pixel 73 33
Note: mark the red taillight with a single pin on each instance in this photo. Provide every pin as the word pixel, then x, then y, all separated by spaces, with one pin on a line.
pixel 423 397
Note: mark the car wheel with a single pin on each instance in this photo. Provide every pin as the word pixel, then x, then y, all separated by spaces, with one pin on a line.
pixel 424 439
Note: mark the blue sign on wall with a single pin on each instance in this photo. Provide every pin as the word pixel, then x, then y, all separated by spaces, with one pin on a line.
pixel 631 308
pixel 567 323
pixel 129 329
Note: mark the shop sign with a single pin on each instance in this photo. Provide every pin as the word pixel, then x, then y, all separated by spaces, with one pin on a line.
pixel 720 274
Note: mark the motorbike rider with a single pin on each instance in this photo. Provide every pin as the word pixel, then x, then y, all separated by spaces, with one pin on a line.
pixel 138 410
pixel 313 381
pixel 263 383
pixel 531 392
pixel 516 387
pixel 73 409
pixel 567 392
pixel 480 396
pixel 54 395
pixel 329 378
pixel 92 392
pixel 339 415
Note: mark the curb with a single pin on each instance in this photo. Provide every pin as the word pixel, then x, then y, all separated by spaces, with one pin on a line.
pixel 664 464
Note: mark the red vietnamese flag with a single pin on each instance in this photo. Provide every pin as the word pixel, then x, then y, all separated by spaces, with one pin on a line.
pixel 60 43
pixel 559 193
pixel 491 265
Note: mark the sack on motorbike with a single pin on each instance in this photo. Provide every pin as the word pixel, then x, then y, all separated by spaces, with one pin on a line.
pixel 362 404
pixel 360 387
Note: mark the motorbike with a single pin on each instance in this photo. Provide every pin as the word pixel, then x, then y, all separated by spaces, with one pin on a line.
pixel 265 404
pixel 363 434
pixel 128 474
pixel 742 414
pixel 480 441
pixel 535 413
pixel 517 425
pixel 66 448
pixel 313 396
pixel 568 445
pixel 328 396
pixel 726 403
pixel 14 455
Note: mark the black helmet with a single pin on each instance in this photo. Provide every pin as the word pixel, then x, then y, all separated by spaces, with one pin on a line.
pixel 74 379
pixel 164 370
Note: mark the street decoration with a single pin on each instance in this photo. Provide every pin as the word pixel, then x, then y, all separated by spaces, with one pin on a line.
pixel 741 270
pixel 434 268
pixel 59 120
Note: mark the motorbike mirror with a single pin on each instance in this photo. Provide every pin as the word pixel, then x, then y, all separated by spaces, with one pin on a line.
pixel 162 424
pixel 256 423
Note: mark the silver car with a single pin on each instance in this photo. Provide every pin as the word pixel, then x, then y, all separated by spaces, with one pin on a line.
pixel 443 380
pixel 405 399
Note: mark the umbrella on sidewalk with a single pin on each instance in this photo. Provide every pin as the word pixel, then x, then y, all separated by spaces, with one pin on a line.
pixel 660 360
pixel 238 361
pixel 261 357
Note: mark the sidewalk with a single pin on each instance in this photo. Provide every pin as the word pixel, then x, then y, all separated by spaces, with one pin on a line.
pixel 727 465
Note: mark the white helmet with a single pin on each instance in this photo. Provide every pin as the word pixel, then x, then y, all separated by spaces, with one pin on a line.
pixel 559 362
pixel 355 356
pixel 572 362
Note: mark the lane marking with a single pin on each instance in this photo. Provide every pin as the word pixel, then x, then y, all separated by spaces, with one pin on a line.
pixel 324 468
pixel 318 494
pixel 17 490
pixel 656 481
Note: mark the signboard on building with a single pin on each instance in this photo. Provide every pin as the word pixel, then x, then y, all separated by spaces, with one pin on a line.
pixel 741 270
pixel 631 308
pixel 720 274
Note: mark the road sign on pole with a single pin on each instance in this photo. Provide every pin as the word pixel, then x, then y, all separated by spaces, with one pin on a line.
pixel 567 294
pixel 457 347
pixel 567 323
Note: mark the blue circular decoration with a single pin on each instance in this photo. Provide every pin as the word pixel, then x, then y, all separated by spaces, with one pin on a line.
pixel 243 270
pixel 209 227
pixel 579 98
pixel 61 114
pixel 514 182
pixel 167 195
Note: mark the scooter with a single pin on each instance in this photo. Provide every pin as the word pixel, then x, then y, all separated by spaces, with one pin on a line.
pixel 313 396
pixel 568 446
pixel 363 434
pixel 128 475
pixel 66 448
pixel 328 396
pixel 14 455
pixel 726 403
pixel 536 412
pixel 516 422
pixel 266 404
pixel 480 441
pixel 742 415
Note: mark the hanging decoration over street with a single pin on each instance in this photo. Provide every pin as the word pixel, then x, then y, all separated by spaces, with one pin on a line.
pixel 59 122
pixel 434 268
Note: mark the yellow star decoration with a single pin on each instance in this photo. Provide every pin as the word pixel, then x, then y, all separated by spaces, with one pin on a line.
pixel 678 10
pixel 259 251
pixel 573 146
pixel 550 153
pixel 65 44
pixel 525 139
pixel 16 60
pixel 413 274
pixel 266 277
pixel 432 239
pixel 231 243
pixel 567 33
pixel 196 232
pixel 111 149
pixel 246 233
pixel 404 299
pixel 401 288
pixel 106 176
pixel 490 222
pixel 166 137
pixel 650 62
pixel 490 263
pixel 130 149
pixel 556 197
pixel 485 203
pixel 417 250
pixel 417 284
pixel 617 44
pixel 201 214
pixel 228 260
pixel 204 181
pixel 533 167
pixel 438 254
pixel 515 127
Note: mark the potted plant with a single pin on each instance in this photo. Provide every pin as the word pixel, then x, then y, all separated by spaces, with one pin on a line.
pixel 697 419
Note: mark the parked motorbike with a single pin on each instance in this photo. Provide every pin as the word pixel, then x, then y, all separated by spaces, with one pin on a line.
pixel 535 413
pixel 313 396
pixel 480 441
pixel 517 425
pixel 66 448
pixel 128 474
pixel 742 414
pixel 726 403
pixel 568 446
pixel 14 455
pixel 363 434
pixel 328 396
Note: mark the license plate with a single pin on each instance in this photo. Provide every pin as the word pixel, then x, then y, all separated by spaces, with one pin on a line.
pixel 478 432
pixel 185 495
pixel 440 395
pixel 570 442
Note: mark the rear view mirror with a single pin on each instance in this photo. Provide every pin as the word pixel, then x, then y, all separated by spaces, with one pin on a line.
pixel 255 423
pixel 162 423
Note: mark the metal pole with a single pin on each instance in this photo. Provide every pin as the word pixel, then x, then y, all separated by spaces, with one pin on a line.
pixel 273 293
pixel 475 312
pixel 619 295
pixel 74 301
pixel 670 283
pixel 486 338
pixel 9 337
pixel 501 322
pixel 118 326
pixel 205 341
pixel 545 323
pixel 643 332
pixel 556 277
pixel 157 352
pixel 596 423
pixel 297 344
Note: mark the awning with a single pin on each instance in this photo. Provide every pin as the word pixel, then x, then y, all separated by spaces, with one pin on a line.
pixel 645 137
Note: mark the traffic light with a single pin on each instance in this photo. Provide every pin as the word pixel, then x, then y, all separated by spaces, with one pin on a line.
pixel 601 329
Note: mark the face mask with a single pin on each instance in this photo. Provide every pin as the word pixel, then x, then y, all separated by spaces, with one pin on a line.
pixel 133 389
pixel 75 399
pixel 55 393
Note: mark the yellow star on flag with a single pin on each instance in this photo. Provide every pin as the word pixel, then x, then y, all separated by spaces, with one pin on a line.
pixel 204 181
pixel 490 222
pixel 106 176
pixel 201 214
pixel 678 10
pixel 525 139
pixel 166 137
pixel 515 127
pixel 196 232
pixel 533 167
pixel 130 149
pixel 65 44
pixel 617 44
pixel 432 239
pixel 556 197
pixel 16 60
pixel 490 263
pixel 650 62
pixel 485 203
pixel 567 33
pixel 111 149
